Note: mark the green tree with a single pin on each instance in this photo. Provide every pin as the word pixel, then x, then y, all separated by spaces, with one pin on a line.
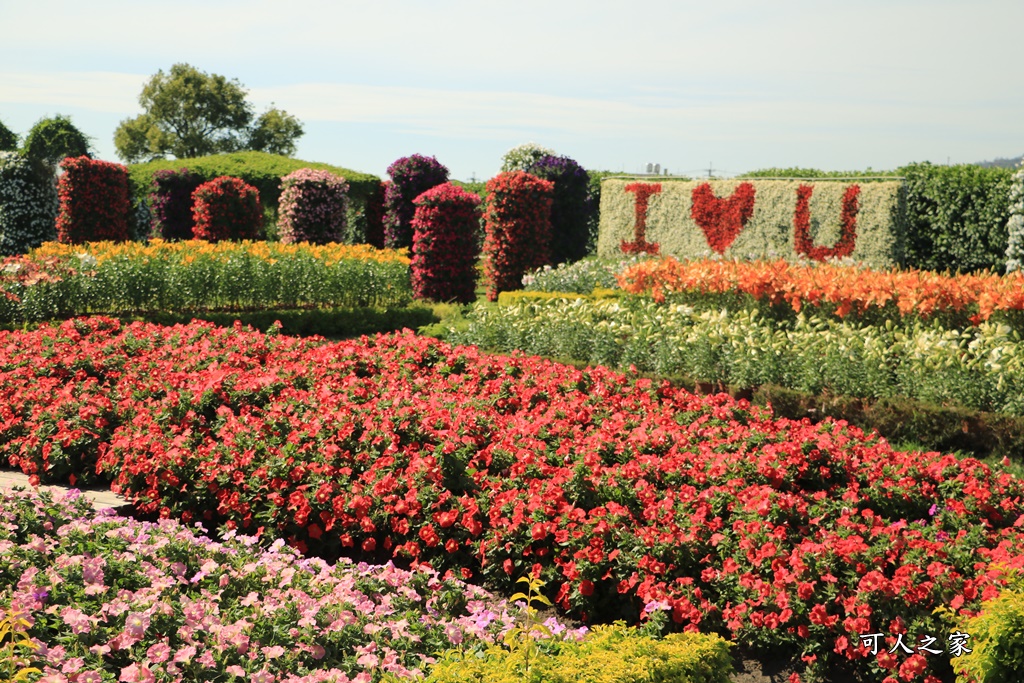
pixel 8 139
pixel 54 138
pixel 275 132
pixel 189 113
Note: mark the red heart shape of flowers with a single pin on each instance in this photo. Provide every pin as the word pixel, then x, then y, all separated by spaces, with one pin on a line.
pixel 722 219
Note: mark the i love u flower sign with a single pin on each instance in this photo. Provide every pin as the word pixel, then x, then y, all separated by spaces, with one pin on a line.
pixel 754 219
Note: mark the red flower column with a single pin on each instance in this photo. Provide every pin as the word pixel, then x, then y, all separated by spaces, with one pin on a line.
pixel 444 244
pixel 226 208
pixel 517 220
pixel 94 204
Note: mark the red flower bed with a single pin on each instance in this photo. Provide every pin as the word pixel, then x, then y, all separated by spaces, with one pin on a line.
pixel 791 537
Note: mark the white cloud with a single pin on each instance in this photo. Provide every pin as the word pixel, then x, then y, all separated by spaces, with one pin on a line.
pixel 94 90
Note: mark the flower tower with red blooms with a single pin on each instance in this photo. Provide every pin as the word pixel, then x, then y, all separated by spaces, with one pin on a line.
pixel 314 207
pixel 410 177
pixel 227 208
pixel 94 203
pixel 375 215
pixel 444 244
pixel 517 221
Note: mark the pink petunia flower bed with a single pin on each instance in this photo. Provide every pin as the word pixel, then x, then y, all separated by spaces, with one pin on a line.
pixel 115 599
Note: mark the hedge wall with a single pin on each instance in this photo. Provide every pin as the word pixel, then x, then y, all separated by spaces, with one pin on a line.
pixel 957 217
pixel 769 230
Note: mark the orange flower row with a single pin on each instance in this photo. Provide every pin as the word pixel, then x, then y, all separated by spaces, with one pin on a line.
pixel 847 288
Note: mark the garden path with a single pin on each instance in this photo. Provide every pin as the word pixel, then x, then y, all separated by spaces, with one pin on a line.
pixel 100 498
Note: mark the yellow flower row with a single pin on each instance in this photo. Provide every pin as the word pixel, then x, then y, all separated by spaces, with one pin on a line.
pixel 189 250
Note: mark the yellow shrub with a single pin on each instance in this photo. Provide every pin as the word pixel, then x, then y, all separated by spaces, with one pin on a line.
pixel 996 641
pixel 609 654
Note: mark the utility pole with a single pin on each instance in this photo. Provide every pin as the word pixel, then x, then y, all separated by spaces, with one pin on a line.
pixel 711 169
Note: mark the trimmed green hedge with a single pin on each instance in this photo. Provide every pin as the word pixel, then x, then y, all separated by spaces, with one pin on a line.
pixel 957 217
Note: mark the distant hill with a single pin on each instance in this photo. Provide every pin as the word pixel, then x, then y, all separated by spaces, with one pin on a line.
pixel 1002 163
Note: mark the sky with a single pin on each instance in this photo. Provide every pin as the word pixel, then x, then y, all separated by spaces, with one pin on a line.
pixel 726 85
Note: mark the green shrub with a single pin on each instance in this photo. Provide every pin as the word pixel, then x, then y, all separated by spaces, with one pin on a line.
pixel 957 217
pixel 609 654
pixel 996 641
pixel 522 295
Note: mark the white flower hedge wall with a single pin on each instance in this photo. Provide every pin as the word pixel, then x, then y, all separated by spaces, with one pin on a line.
pixel 1015 226
pixel 769 231
pixel 28 205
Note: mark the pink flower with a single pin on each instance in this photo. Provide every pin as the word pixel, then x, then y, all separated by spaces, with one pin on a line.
pixel 185 654
pixel 273 652
pixel 72 665
pixel 133 673
pixel 263 676
pixel 136 624
pixel 77 620
pixel 159 652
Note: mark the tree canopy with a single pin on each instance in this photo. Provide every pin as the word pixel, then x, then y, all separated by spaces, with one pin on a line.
pixel 54 138
pixel 8 139
pixel 188 113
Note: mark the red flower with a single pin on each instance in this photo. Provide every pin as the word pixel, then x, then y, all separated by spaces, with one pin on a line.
pixel 802 225
pixel 722 220
pixel 640 245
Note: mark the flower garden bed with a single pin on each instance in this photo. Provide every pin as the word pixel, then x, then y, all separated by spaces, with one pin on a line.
pixel 107 598
pixel 788 537
pixel 60 281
